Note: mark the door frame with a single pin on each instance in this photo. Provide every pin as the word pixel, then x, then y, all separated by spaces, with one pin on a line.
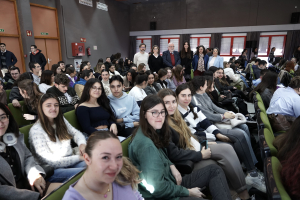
pixel 57 29
pixel 17 36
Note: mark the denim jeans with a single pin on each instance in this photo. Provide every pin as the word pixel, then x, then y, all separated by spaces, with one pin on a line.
pixel 61 175
pixel 244 80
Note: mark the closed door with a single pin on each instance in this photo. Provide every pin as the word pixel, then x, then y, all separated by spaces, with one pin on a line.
pixel 50 49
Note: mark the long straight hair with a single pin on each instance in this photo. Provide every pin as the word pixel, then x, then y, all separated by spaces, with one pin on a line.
pixel 269 80
pixel 32 91
pixel 160 140
pixel 177 73
pixel 61 128
pixel 186 54
pixel 177 123
pixel 103 101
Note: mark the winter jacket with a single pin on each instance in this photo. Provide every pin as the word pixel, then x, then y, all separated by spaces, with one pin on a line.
pixel 38 57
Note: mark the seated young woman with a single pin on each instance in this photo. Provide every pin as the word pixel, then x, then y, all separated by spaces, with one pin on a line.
pixel 20 175
pixel 140 84
pixel 50 141
pixel 152 87
pixel 169 79
pixel 84 77
pixel 94 112
pixel 161 179
pixel 239 135
pixel 113 71
pixel 161 81
pixel 109 175
pixel 31 94
pixel 105 81
pixel 129 80
pixel 266 88
pixel 288 145
pixel 47 81
pixel 185 145
pixel 71 74
pixel 3 95
pixel 98 69
pixel 178 77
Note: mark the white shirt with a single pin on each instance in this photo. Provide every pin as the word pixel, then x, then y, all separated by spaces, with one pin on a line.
pixel 106 87
pixel 36 79
pixel 44 87
pixel 212 61
pixel 141 58
pixel 138 93
pixel 68 97
pixel 72 79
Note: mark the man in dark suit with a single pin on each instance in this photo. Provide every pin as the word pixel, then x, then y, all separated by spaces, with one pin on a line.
pixel 7 58
pixel 170 57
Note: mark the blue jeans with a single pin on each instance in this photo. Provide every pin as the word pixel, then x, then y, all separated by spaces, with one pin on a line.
pixel 61 175
pixel 244 80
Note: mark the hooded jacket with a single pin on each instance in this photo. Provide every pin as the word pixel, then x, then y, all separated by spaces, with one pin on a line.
pixel 38 57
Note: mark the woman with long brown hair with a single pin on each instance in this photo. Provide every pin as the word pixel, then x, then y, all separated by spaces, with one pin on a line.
pixel 155 61
pixel 200 61
pixel 186 56
pixel 50 141
pixel 178 77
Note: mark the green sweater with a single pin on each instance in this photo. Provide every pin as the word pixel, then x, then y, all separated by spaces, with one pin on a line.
pixel 158 180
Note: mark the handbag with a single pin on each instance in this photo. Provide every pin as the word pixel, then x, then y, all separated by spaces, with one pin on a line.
pixel 229 124
pixel 279 122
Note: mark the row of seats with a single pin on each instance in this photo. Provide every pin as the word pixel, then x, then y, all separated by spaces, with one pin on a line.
pixel 272 166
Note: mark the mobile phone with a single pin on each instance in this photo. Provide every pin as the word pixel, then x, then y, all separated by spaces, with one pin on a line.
pixel 204 144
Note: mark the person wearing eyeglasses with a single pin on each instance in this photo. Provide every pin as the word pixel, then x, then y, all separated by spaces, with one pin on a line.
pixel 142 56
pixel 94 112
pixel 37 56
pixel 171 58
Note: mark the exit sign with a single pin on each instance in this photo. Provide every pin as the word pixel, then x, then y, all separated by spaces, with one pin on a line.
pixel 44 33
pixel 1 30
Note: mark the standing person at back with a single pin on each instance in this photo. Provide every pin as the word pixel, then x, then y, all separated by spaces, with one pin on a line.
pixel 7 58
pixel 36 56
pixel 141 57
pixel 171 57
pixel 186 56
pixel 155 60
pixel 215 59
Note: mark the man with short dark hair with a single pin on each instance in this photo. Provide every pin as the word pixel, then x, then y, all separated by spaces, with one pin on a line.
pixel 36 56
pixel 257 69
pixel 7 58
pixel 62 66
pixel 262 73
pixel 14 74
pixel 141 56
pixel 35 68
pixel 68 99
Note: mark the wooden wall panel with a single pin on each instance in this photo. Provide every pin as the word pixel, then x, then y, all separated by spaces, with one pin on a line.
pixel 8 20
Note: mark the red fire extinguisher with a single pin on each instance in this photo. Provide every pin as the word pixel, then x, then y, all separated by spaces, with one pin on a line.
pixel 89 52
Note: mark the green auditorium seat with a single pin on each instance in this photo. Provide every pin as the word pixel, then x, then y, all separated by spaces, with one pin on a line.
pixel 18 113
pixel 25 130
pixel 72 119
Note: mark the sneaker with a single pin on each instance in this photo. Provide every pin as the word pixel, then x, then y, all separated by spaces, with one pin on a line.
pixel 257 182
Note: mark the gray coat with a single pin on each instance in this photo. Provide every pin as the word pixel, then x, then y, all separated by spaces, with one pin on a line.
pixel 8 190
pixel 209 109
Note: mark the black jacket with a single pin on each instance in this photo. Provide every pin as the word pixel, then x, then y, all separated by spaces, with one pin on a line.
pixel 64 105
pixel 10 59
pixel 38 58
pixel 154 63
pixel 152 90
pixel 9 81
pixel 15 94
pixel 186 63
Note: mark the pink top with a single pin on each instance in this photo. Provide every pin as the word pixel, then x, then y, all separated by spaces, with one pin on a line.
pixel 178 83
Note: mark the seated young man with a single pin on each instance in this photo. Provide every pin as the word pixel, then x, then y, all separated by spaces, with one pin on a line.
pixel 257 81
pixel 125 107
pixel 68 99
pixel 11 77
pixel 36 70
pixel 256 69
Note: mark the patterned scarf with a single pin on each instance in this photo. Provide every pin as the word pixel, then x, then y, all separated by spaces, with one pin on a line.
pixel 201 63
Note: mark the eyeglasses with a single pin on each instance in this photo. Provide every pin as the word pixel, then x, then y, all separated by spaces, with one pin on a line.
pixel 156 113
pixel 4 118
pixel 95 88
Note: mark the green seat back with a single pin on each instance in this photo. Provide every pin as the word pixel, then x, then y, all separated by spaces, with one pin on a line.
pixel 7 95
pixel 252 72
pixel 192 73
pixel 25 130
pixel 276 168
pixel 72 119
pixel 18 114
pixel 264 118
pixel 59 193
pixel 261 106
pixel 269 137
pixel 258 97
pixel 125 144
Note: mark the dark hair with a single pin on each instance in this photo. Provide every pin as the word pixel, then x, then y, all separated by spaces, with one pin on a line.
pixel 133 75
pixel 141 67
pixel 62 79
pixel 141 45
pixel 179 89
pixel 295 82
pixel 237 62
pixel 161 73
pixel 257 60
pixel 261 62
pixel 253 50
pixel 12 126
pixel 15 68
pixel 25 75
pixel 85 73
pixel 33 45
pixel 186 54
pixel 32 91
pixel 54 68
pixel 46 77
pixel 177 73
pixel 116 78
pixel 103 101
pixel 154 47
pixel 161 139
pixel 264 71
pixel 68 66
pixel 61 131
pixel 70 70
pixel 217 49
pixel 2 44
pixel 233 67
pixel 273 48
pixel 140 78
pixel 198 48
pixel 100 60
pixel 32 65
pixel 195 84
pixel 213 69
pixel 60 62
pixel 104 70
pixel 208 73
pixel 269 80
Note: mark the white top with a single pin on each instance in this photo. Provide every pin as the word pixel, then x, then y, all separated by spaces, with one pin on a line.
pixel 44 87
pixel 68 97
pixel 116 73
pixel 138 93
pixel 141 58
pixel 106 87
pixel 212 61
pixel 57 154
pixel 36 79
pixel 229 72
pixel 72 79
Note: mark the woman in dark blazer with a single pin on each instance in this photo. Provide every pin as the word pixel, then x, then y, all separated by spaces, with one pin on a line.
pixel 186 56
pixel 19 174
pixel 200 54
pixel 155 61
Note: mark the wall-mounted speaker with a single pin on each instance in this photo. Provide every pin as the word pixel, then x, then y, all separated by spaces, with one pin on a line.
pixel 295 18
pixel 152 25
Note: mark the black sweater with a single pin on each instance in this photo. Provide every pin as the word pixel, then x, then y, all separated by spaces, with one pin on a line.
pixel 186 62
pixel 154 63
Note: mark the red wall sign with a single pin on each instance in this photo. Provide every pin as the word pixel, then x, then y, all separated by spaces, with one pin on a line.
pixel 28 33
pixel 82 39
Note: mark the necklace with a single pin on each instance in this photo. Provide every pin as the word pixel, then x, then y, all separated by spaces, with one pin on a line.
pixel 104 195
